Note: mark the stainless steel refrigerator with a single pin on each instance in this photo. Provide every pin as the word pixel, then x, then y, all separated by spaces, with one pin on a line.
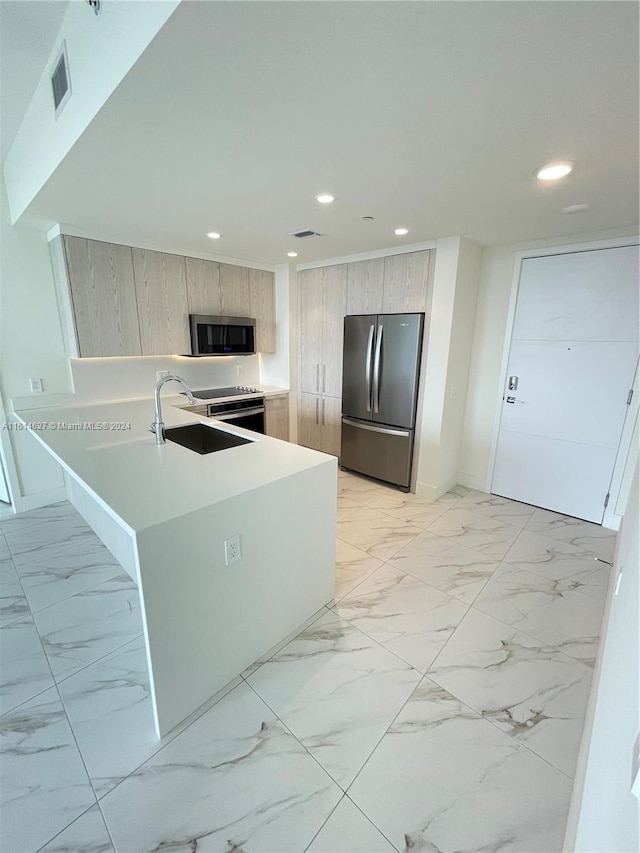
pixel 380 374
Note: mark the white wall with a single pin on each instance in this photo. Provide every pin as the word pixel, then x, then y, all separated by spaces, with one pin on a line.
pixel 30 346
pixel 604 814
pixel 485 379
pixel 101 50
pixel 445 367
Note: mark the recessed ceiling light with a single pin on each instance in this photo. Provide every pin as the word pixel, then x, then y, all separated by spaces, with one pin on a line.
pixel 214 235
pixel 292 254
pixel 400 232
pixel 553 171
pixel 325 198
pixel 576 208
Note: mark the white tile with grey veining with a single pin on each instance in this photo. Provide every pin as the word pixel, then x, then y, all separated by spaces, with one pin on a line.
pixel 405 615
pixel 411 508
pixel 583 534
pixel 41 540
pixel 353 494
pixel 79 630
pixel 560 561
pixel 109 707
pixel 378 534
pixel 13 604
pixel 446 565
pixel 87 834
pixel 352 566
pixel 46 516
pixel 454 495
pixel 543 608
pixel 44 784
pixel 529 689
pixel 348 830
pixel 272 651
pixel 493 506
pixel 6 563
pixel 24 669
pixel 488 535
pixel 337 691
pixel 443 779
pixel 80 565
pixel 234 780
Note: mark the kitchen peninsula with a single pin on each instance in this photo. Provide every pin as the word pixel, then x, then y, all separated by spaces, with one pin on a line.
pixel 166 511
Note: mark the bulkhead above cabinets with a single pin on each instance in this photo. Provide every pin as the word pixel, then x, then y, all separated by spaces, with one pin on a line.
pixel 127 301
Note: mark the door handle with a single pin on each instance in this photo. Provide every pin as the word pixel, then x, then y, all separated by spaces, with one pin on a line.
pixel 367 366
pixel 323 411
pixel 324 377
pixel 317 377
pixel 317 401
pixel 513 400
pixel 376 372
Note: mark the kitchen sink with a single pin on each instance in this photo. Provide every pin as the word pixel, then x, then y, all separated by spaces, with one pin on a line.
pixel 203 439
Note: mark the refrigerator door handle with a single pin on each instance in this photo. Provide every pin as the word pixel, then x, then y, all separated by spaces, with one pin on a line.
pixel 376 371
pixel 367 366
pixel 405 433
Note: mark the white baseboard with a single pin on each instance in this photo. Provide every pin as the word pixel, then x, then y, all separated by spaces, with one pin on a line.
pixel 51 496
pixel 471 481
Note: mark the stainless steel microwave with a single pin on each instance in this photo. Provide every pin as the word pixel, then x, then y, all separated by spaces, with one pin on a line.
pixel 222 335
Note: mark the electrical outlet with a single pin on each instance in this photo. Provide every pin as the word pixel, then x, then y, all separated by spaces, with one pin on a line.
pixel 160 374
pixel 232 552
pixel 36 385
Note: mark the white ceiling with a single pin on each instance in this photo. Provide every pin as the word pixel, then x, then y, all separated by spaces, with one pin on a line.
pixel 430 115
pixel 28 29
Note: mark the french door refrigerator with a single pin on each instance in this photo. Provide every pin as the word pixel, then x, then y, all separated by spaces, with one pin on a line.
pixel 380 375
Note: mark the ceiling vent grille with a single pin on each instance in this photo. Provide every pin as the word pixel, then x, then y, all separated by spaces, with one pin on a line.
pixel 302 235
pixel 60 81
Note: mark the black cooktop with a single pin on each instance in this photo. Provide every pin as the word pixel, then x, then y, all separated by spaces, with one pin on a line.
pixel 233 391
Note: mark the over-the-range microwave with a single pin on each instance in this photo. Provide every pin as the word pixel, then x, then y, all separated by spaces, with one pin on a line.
pixel 222 335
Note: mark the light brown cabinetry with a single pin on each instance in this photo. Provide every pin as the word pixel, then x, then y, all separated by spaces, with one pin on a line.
pixel 203 286
pixel 323 294
pixel 319 423
pixel 234 290
pixel 262 307
pixel 161 294
pixel 277 417
pixel 406 280
pixel 364 286
pixel 104 298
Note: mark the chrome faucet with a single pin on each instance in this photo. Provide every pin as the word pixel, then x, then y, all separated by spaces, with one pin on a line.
pixel 157 426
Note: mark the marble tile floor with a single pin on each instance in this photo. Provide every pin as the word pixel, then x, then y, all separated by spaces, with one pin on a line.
pixel 436 704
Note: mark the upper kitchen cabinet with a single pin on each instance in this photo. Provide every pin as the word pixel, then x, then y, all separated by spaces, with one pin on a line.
pixel 161 294
pixel 323 297
pixel 234 290
pixel 262 307
pixel 364 286
pixel 103 294
pixel 406 279
pixel 203 286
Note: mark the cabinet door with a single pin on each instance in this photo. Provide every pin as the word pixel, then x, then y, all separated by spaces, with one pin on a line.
pixel 310 285
pixel 104 297
pixel 309 428
pixel 406 279
pixel 334 305
pixel 262 307
pixel 203 286
pixel 161 294
pixel 277 417
pixel 330 419
pixel 364 286
pixel 234 287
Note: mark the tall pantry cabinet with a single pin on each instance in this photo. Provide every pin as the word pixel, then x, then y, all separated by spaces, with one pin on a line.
pixel 323 298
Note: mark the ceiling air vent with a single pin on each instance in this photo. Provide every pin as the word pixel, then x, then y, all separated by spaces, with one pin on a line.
pixel 302 235
pixel 60 81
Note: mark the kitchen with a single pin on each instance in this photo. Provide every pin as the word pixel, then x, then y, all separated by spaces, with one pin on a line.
pixel 468 287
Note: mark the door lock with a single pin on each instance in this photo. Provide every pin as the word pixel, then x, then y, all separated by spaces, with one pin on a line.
pixel 513 383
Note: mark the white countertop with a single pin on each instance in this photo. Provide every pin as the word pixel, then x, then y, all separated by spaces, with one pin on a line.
pixel 144 484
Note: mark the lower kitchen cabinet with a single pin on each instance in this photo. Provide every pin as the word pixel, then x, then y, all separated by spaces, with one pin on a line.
pixel 319 423
pixel 277 417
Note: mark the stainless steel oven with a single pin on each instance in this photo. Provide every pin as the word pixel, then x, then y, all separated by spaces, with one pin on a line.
pixel 248 414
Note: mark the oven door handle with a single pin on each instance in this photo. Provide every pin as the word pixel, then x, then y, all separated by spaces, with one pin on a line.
pixel 239 413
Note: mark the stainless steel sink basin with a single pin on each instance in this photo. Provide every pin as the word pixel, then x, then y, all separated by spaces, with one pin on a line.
pixel 203 439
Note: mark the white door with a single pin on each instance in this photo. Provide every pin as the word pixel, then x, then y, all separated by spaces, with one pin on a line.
pixel 573 354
